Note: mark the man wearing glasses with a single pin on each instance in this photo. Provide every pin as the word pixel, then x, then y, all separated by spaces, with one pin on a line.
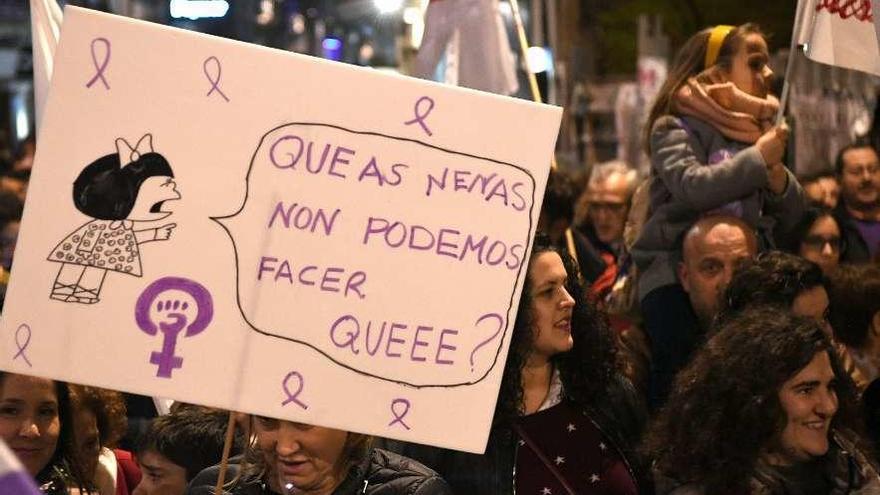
pixel 609 191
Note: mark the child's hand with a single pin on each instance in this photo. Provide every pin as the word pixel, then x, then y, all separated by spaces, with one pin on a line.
pixel 772 145
pixel 163 233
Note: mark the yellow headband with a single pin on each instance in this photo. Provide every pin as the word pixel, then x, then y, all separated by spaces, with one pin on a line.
pixel 716 39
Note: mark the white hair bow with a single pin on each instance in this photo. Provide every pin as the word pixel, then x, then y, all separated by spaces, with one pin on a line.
pixel 128 154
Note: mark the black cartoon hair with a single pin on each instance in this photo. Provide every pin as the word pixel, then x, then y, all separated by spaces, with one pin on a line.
pixel 106 191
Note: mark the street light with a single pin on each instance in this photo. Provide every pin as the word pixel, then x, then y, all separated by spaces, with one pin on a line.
pixel 388 6
pixel 197 9
pixel 540 59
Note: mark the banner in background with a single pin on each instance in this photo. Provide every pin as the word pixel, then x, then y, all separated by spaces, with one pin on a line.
pixel 473 36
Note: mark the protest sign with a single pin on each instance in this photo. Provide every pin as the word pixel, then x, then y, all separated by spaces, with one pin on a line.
pixel 230 225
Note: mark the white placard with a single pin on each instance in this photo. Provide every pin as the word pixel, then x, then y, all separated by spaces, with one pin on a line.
pixel 336 246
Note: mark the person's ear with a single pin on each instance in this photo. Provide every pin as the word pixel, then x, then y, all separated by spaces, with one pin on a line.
pixel 875 325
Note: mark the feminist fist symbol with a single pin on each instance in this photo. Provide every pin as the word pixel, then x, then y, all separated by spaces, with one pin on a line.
pixel 173 318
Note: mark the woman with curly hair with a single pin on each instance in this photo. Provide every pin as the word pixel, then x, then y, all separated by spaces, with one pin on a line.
pixel 779 279
pixel 792 283
pixel 565 421
pixel 100 422
pixel 764 408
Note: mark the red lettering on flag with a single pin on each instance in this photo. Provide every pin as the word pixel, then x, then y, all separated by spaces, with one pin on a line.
pixel 858 9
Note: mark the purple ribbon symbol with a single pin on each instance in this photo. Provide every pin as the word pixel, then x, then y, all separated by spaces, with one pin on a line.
pixel 215 81
pixel 23 329
pixel 421 113
pixel 293 396
pixel 100 66
pixel 398 416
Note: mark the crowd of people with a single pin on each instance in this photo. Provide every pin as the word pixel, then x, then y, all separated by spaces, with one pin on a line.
pixel 713 328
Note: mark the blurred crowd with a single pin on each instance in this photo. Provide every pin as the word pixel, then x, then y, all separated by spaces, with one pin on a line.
pixel 15 173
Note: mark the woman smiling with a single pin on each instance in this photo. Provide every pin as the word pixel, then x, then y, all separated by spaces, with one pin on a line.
pixel 36 423
pixel 764 408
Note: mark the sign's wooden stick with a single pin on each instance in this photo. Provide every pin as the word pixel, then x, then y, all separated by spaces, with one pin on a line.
pixel 227 447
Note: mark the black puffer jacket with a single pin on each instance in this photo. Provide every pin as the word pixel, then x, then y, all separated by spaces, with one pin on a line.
pixel 381 473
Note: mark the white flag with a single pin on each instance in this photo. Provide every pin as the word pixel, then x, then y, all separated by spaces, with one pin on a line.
pixel 45 30
pixel 841 33
pixel 484 58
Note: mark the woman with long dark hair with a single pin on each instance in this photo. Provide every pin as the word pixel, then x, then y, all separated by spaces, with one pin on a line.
pixel 565 422
pixel 764 408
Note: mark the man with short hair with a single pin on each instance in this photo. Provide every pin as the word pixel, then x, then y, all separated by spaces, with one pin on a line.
pixel 858 213
pixel 178 446
pixel 609 191
pixel 557 213
pixel 711 249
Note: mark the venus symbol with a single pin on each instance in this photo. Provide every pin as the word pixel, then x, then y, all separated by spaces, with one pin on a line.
pixel 161 301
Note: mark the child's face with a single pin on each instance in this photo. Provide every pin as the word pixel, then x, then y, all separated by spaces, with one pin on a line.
pixel 151 197
pixel 161 476
pixel 749 71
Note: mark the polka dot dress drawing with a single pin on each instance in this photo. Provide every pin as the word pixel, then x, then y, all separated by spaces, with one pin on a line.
pixel 120 192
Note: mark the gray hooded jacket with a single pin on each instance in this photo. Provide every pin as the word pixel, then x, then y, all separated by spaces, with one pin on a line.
pixel 695 170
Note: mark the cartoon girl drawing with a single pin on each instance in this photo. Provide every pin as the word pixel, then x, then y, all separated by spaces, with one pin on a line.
pixel 119 191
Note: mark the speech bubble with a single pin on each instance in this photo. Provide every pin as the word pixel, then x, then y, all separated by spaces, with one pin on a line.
pixel 380 252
